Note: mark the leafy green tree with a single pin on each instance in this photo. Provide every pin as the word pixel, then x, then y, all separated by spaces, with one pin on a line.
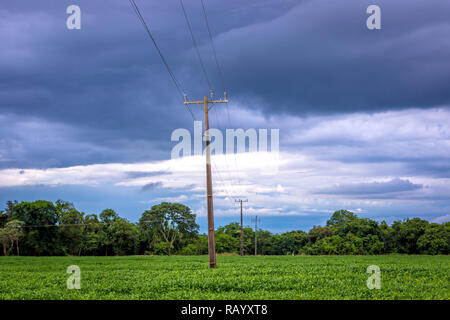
pixel 90 236
pixel 373 245
pixel 124 235
pixel 3 219
pixel 159 248
pixel 387 237
pixel 319 232
pixel 44 228
pixel 107 216
pixel 10 235
pixel 228 238
pixel 230 234
pixel 407 233
pixel 116 235
pixel 249 240
pixel 343 222
pixel 40 218
pixel 291 242
pixel 106 237
pixel 435 239
pixel 341 217
pixel 233 229
pixel 329 245
pixel 351 245
pixel 171 221
pixel 265 242
pixel 14 230
pixel 9 208
pixel 226 243
pixel 71 227
pixel 198 247
pixel 4 240
pixel 345 233
pixel 190 250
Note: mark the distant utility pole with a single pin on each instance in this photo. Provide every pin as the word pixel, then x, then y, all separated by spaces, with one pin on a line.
pixel 209 192
pixel 242 228
pixel 256 232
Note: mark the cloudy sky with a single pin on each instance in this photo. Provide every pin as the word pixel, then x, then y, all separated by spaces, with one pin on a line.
pixel 364 115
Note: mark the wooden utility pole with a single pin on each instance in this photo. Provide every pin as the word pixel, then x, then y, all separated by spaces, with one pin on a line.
pixel 242 228
pixel 256 232
pixel 209 192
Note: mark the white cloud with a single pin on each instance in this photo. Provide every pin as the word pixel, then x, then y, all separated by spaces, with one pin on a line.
pixel 180 198
pixel 441 219
pixel 304 172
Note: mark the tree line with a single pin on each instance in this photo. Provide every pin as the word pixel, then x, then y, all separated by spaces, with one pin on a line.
pixel 44 228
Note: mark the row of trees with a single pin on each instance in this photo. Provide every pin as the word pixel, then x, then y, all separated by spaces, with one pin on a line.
pixel 46 228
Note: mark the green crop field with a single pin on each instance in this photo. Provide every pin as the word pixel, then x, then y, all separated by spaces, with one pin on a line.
pixel 188 277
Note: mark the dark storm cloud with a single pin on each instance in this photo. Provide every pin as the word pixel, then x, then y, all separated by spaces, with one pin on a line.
pixel 143 174
pixel 321 58
pixel 372 188
pixel 104 83
pixel 104 96
pixel 152 186
pixel 437 168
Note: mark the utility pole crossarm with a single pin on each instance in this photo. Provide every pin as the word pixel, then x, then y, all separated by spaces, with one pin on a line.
pixel 209 101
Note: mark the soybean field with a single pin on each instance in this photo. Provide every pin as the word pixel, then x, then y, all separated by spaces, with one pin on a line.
pixel 248 277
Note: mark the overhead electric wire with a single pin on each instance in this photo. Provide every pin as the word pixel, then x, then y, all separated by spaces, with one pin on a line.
pixel 195 45
pixel 219 70
pixel 202 65
pixel 169 70
pixel 172 75
pixel 225 156
pixel 225 189
pixel 78 224
pixel 138 13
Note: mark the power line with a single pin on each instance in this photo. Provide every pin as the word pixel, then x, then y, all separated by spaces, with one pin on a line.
pixel 175 81
pixel 195 45
pixel 225 154
pixel 205 73
pixel 236 174
pixel 79 224
pixel 172 75
pixel 190 111
pixel 219 70
pixel 202 65
pixel 226 190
